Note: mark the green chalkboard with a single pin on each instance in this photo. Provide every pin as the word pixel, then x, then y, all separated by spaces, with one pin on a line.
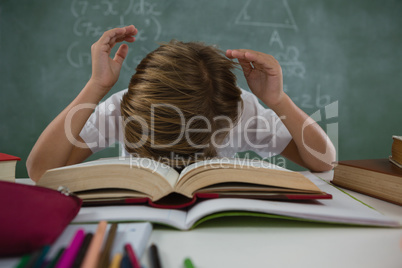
pixel 341 59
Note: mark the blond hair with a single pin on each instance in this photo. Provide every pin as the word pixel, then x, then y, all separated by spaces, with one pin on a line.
pixel 180 83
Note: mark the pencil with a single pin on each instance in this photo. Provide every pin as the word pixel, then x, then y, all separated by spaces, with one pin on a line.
pixel 131 255
pixel 105 256
pixel 83 250
pixel 116 261
pixel 154 257
pixel 56 258
pixel 92 257
pixel 188 263
pixel 67 259
pixel 37 258
pixel 125 261
pixel 23 261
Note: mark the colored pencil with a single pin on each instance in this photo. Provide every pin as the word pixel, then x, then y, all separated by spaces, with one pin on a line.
pixel 131 255
pixel 92 256
pixel 105 256
pixel 67 259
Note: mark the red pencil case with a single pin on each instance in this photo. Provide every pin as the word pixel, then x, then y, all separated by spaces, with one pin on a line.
pixel 32 217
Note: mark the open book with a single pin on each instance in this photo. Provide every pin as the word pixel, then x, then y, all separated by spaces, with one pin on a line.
pixel 138 180
pixel 343 209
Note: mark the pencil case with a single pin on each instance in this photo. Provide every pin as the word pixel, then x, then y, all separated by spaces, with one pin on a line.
pixel 32 217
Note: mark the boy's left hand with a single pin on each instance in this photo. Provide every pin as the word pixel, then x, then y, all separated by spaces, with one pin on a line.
pixel 263 74
pixel 106 70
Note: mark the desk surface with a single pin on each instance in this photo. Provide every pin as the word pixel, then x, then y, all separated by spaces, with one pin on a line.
pixel 260 242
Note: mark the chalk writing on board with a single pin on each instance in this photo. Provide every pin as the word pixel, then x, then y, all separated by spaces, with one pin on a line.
pixel 93 18
pixel 145 8
pixel 307 101
pixel 78 57
pixel 81 8
pixel 277 14
pixel 288 57
pixel 276 39
pixel 289 60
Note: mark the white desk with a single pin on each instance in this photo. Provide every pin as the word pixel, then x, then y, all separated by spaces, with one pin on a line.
pixel 260 242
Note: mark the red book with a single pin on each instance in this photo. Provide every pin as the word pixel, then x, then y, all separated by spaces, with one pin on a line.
pixel 378 178
pixel 7 157
pixel 178 202
pixel 7 167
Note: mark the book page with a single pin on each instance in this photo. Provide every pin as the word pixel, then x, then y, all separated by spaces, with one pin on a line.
pixel 171 217
pixel 163 170
pixel 397 137
pixel 169 173
pixel 341 209
pixel 233 162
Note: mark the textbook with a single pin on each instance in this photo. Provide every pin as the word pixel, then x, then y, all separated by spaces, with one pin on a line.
pixel 7 167
pixel 396 151
pixel 378 178
pixel 342 209
pixel 142 180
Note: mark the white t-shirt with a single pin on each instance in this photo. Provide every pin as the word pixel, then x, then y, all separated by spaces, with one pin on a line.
pixel 258 129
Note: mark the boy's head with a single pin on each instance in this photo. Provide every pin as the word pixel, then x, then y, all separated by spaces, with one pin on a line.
pixel 183 99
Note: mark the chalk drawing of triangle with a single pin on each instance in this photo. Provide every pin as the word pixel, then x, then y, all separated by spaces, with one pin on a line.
pixel 267 13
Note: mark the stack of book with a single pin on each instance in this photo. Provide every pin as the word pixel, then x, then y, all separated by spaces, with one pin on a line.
pixel 7 167
pixel 396 151
pixel 204 191
pixel 379 178
pixel 142 180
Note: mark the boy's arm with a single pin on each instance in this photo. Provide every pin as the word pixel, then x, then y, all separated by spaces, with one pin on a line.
pixel 60 144
pixel 310 146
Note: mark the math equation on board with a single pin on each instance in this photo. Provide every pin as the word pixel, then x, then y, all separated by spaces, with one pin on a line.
pixel 92 18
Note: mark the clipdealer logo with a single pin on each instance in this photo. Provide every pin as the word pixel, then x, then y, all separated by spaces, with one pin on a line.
pixel 327 116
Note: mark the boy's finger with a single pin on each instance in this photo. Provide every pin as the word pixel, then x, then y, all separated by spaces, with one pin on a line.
pixel 109 35
pixel 121 54
pixel 244 63
pixel 261 60
pixel 112 42
pixel 238 54
pixel 246 66
pixel 229 54
pixel 117 35
pixel 128 36
pixel 131 30
pixel 254 56
pixel 129 39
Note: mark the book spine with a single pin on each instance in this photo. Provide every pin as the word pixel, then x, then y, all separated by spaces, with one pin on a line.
pixel 349 187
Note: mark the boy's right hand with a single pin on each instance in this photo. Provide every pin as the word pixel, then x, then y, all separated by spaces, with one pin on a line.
pixel 105 70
